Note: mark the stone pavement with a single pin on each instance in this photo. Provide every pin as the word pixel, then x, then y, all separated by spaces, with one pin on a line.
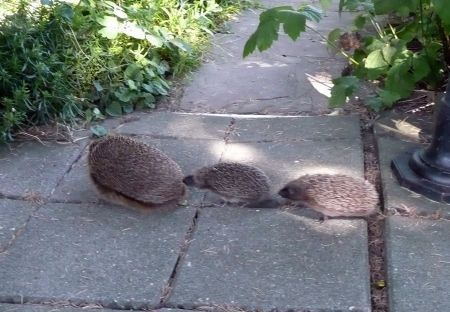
pixel 73 248
pixel 62 249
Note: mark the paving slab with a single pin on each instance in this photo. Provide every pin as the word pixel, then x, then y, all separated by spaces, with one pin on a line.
pixel 118 258
pixel 268 88
pixel 289 78
pixel 418 264
pixel 167 124
pixel 34 169
pixel 5 307
pixel 396 197
pixel 318 128
pixel 189 154
pixel 286 261
pixel 14 215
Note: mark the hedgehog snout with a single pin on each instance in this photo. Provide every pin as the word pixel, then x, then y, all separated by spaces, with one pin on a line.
pixel 189 180
pixel 284 192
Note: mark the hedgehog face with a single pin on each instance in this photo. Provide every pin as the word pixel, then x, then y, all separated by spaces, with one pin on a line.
pixel 196 180
pixel 293 192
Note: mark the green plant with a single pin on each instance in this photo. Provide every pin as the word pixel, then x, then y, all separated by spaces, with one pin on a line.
pixel 81 61
pixel 408 51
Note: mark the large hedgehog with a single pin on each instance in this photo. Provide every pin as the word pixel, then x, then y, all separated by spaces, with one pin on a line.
pixel 132 173
pixel 235 183
pixel 333 195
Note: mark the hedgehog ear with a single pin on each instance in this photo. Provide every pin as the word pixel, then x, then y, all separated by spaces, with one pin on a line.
pixel 189 180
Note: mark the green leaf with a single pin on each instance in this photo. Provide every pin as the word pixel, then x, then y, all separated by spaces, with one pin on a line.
pixel 293 23
pixel 375 103
pixel 182 45
pixel 124 94
pixel 311 13
pixel 402 6
pixel 442 9
pixel 154 40
pixel 388 97
pixel 110 33
pixel 133 30
pixel 66 11
pixel 149 100
pixel 375 60
pixel 132 71
pixel 99 131
pixel 360 21
pixel 389 53
pixel 148 87
pixel 421 68
pixel 114 109
pixel 399 80
pixel 250 45
pixel 342 88
pixel 132 84
pixel 108 21
pixel 128 108
pixel 333 38
pixel 267 34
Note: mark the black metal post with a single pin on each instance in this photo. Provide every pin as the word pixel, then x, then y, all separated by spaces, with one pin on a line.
pixel 427 171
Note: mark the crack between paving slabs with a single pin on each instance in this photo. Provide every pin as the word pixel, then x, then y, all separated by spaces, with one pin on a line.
pixel 375 224
pixel 76 159
pixel 167 288
pixel 17 232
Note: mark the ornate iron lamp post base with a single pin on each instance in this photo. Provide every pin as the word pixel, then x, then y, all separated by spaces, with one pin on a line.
pixel 427 171
pixel 411 180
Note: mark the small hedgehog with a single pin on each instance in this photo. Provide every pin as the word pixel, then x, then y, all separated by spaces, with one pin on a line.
pixel 131 173
pixel 333 195
pixel 235 182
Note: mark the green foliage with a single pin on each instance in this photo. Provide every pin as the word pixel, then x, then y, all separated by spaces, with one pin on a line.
pixel 293 21
pixel 410 49
pixel 80 61
pixel 402 55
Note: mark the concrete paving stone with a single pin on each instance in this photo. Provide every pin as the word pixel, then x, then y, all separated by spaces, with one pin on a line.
pixel 418 264
pixel 397 198
pixel 4 307
pixel 114 257
pixel 268 88
pixel 247 129
pixel 285 161
pixel 14 214
pixel 286 261
pixel 410 128
pixel 34 169
pixel 189 154
pixel 167 124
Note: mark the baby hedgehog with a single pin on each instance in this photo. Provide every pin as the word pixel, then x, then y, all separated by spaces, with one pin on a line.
pixel 235 183
pixel 333 195
pixel 130 173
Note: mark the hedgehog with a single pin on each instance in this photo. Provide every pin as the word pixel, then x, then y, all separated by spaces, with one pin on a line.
pixel 333 195
pixel 131 173
pixel 235 183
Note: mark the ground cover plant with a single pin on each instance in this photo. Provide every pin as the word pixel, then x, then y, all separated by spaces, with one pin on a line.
pixel 84 59
pixel 400 45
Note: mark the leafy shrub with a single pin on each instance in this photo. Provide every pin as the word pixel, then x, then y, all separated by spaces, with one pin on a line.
pixel 410 50
pixel 71 61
